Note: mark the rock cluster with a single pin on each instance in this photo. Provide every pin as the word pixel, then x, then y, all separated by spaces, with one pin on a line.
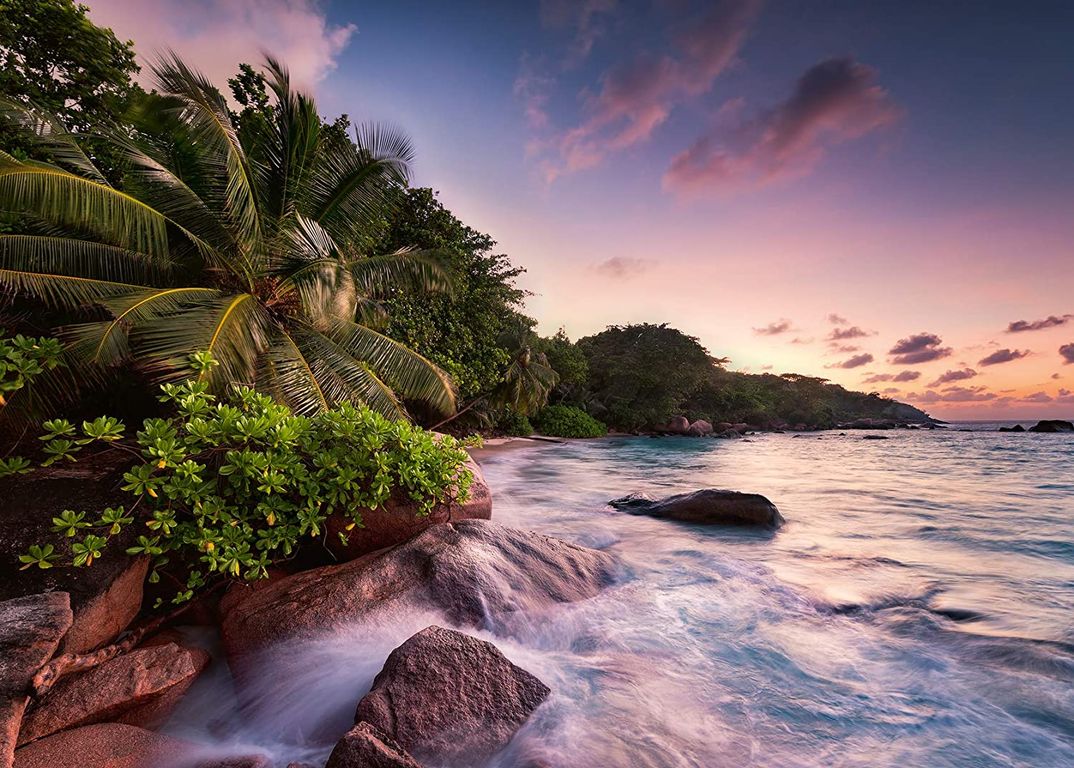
pixel 711 506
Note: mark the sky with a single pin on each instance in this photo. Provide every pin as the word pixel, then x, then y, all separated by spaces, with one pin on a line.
pixel 880 193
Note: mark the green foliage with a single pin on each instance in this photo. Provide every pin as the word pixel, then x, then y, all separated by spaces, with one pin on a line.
pixel 568 421
pixel 469 331
pixel 22 358
pixel 570 364
pixel 514 424
pixel 252 242
pixel 225 487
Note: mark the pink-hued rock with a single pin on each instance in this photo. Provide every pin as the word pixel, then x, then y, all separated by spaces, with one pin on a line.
pixel 476 572
pixel 450 698
pixel 101 614
pixel 31 629
pixel 699 428
pixel 140 688
pixel 107 745
pixel 365 746
pixel 677 425
pixel 398 520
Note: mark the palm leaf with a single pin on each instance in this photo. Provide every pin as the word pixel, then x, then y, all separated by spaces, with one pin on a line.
pixel 50 254
pixel 342 377
pixel 63 291
pixel 49 134
pixel 289 376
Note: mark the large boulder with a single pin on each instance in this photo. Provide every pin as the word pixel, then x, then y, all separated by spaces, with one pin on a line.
pixel 1052 425
pixel 711 506
pixel 398 520
pixel 104 598
pixel 677 425
pixel 699 428
pixel 365 746
pixel 31 629
pixel 450 698
pixel 138 688
pixel 476 572
pixel 107 745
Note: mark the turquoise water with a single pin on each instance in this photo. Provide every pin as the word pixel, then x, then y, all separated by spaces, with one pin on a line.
pixel 916 610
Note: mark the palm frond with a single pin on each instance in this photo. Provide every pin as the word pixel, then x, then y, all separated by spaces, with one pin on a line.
pixel 404 270
pixel 286 373
pixel 63 291
pixel 48 133
pixel 73 257
pixel 342 377
pixel 409 374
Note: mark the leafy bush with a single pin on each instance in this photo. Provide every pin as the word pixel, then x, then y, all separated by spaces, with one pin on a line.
pixel 568 421
pixel 514 424
pixel 229 486
pixel 22 358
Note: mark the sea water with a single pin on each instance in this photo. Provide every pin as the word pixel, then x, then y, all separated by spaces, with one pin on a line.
pixel 916 610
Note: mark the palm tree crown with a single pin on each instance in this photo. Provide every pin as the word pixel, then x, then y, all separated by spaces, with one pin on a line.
pixel 255 248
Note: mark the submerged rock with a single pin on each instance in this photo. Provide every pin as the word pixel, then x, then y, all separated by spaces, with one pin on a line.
pixel 365 746
pixel 31 629
pixel 138 688
pixel 1052 425
pixel 711 506
pixel 398 520
pixel 451 698
pixel 477 573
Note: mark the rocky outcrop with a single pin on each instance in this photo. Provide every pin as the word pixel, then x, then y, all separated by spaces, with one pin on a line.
pixel 699 428
pixel 104 598
pixel 108 745
pixel 365 746
pixel 711 506
pixel 1052 425
pixel 450 698
pixel 1015 428
pixel 137 688
pixel 677 425
pixel 31 629
pixel 476 572
pixel 398 520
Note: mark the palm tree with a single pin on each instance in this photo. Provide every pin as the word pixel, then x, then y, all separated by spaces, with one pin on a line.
pixel 253 248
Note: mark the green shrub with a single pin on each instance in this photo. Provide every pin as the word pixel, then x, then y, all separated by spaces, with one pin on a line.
pixel 514 424
pixel 567 421
pixel 225 487
pixel 22 358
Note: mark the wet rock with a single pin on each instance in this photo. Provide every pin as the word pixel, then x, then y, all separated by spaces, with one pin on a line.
pixel 137 688
pixel 1052 425
pixel 31 629
pixel 741 428
pixel 476 572
pixel 107 745
pixel 450 698
pixel 365 746
pixel 1015 428
pixel 104 598
pixel 729 434
pixel 398 520
pixel 677 425
pixel 875 437
pixel 711 506
pixel 699 428
pixel 242 761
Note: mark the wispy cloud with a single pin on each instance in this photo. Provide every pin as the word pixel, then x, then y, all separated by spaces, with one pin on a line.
pixel 835 101
pixel 1038 397
pixel 218 35
pixel 1051 321
pixel 1067 353
pixel 587 19
pixel 620 267
pixel 857 361
pixel 900 377
pixel 919 348
pixel 835 319
pixel 844 334
pixel 956 375
pixel 954 395
pixel 1003 356
pixel 774 328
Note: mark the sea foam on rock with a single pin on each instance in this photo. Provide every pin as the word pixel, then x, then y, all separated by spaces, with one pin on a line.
pixel 711 506
pixel 450 698
pixel 476 573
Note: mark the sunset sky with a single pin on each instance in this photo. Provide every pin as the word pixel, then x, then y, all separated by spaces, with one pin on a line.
pixel 881 193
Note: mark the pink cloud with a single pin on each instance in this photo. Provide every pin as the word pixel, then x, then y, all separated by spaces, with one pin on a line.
pixel 951 376
pixel 218 35
pixel 919 348
pixel 1003 356
pixel 835 101
pixel 1051 321
pixel 774 328
pixel 857 361
pixel 620 267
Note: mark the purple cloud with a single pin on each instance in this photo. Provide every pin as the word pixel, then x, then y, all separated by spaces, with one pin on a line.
pixel 843 334
pixel 919 348
pixel 775 328
pixel 954 395
pixel 950 376
pixel 835 101
pixel 619 267
pixel 835 319
pixel 1003 356
pixel 854 362
pixel 1067 353
pixel 901 377
pixel 1051 321
pixel 1038 397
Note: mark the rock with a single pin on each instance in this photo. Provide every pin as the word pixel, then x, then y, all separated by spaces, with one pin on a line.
pixel 31 629
pixel 1015 428
pixel 677 425
pixel 729 434
pixel 450 698
pixel 722 426
pixel 140 688
pixel 107 745
pixel 476 572
pixel 710 506
pixel 741 428
pixel 104 598
pixel 242 761
pixel 875 437
pixel 1052 425
pixel 398 520
pixel 699 428
pixel 365 746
